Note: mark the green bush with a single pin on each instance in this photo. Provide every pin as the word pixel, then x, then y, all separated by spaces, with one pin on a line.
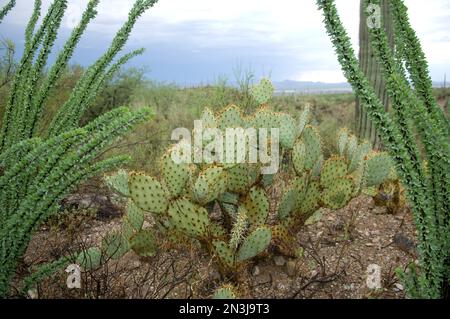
pixel 38 169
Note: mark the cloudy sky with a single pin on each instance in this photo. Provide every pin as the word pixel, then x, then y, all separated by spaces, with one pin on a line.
pixel 197 41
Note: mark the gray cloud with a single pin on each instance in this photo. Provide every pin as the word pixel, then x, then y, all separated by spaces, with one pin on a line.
pixel 191 41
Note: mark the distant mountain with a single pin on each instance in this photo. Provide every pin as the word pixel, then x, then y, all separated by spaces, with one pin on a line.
pixel 290 86
pixel 306 87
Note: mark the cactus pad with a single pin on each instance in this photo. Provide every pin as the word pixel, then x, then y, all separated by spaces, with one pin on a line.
pixel 288 132
pixel 208 119
pixel 262 92
pixel 339 194
pixel 226 292
pixel 115 245
pixel 147 193
pixel 224 253
pixel 343 138
pixel 299 156
pixel 210 184
pixel 287 204
pixel 311 199
pixel 378 169
pixel 175 175
pixel 257 205
pixel 217 231
pixel 240 177
pixel 303 120
pixel 135 216
pixel 282 240
pixel 352 145
pixel 90 259
pixel 333 169
pixel 118 182
pixel 311 139
pixel 144 243
pixel 188 217
pixel 255 243
pixel 358 156
pixel 230 117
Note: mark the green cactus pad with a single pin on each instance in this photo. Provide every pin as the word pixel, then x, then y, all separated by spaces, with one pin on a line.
pixel 287 204
pixel 378 169
pixel 226 292
pixel 240 177
pixel 127 229
pixel 217 231
pixel 299 156
pixel 230 209
pixel 135 216
pixel 144 243
pixel 90 259
pixel 352 145
pixel 255 243
pixel 115 245
pixel 303 120
pixel 312 141
pixel 333 169
pixel 288 131
pixel 317 169
pixel 147 193
pixel 224 253
pixel 262 92
pixel 189 218
pixel 118 182
pixel 264 118
pixel 257 205
pixel 230 117
pixel 311 199
pixel 210 184
pixel 229 198
pixel 175 175
pixel 358 180
pixel 282 240
pixel 339 194
pixel 358 156
pixel 208 119
pixel 298 186
pixel 343 138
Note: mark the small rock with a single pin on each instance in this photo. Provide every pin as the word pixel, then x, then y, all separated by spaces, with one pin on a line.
pixel 291 268
pixel 263 278
pixel 215 275
pixel 33 294
pixel 349 287
pixel 279 261
pixel 398 287
pixel 256 271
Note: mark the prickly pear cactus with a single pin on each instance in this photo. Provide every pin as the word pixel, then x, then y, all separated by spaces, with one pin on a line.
pixel 225 292
pixel 118 182
pixel 262 92
pixel 90 259
pixel 255 243
pixel 143 243
pixel 147 193
pixel 225 207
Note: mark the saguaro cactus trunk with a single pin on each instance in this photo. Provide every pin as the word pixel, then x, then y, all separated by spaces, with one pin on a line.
pixel 371 68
